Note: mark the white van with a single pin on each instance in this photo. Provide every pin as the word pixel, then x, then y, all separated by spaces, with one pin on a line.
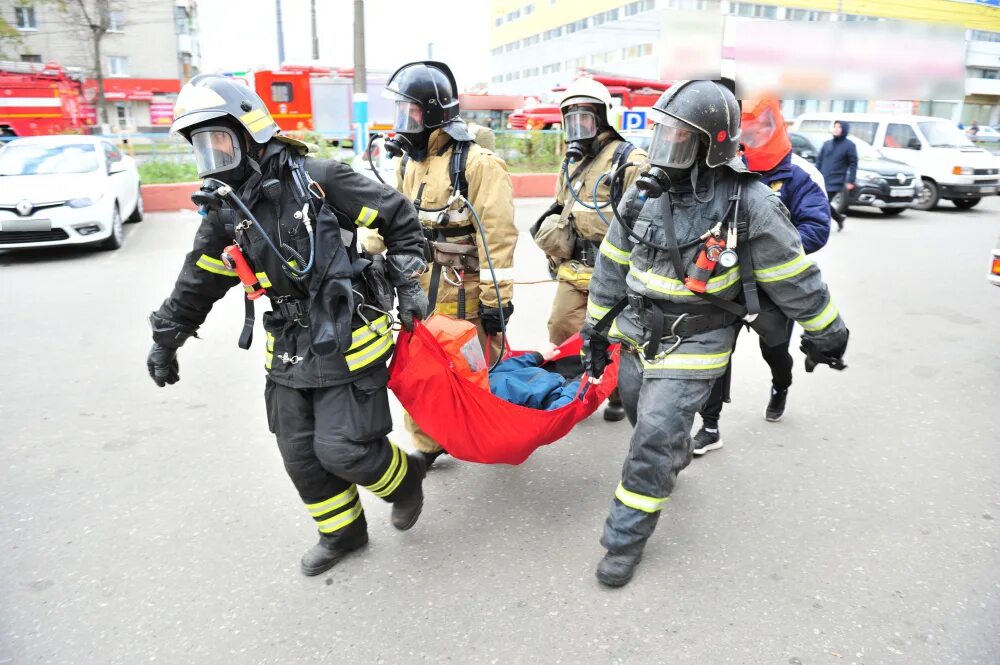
pixel 951 166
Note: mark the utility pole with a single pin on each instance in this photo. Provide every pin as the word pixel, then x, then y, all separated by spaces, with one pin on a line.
pixel 312 10
pixel 360 80
pixel 281 33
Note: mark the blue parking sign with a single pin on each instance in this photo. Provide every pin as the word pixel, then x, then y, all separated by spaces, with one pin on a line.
pixel 634 120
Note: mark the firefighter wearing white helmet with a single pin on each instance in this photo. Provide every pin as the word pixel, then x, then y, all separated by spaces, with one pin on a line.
pixel 571 230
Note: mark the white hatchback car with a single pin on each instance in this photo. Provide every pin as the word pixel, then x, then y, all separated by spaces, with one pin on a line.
pixel 66 190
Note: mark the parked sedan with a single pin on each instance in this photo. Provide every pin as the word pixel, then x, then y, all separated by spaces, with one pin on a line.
pixel 66 190
pixel 883 183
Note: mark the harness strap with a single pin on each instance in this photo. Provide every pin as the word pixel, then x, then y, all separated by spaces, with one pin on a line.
pixel 246 336
pixel 432 294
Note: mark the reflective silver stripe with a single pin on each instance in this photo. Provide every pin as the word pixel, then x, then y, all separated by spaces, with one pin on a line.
pixel 366 217
pixel 617 255
pixel 216 266
pixel 595 310
pixel 687 361
pixel 362 336
pixel 647 504
pixel 675 287
pixel 265 281
pixel 367 356
pixel 821 320
pixel 338 501
pixel 338 522
pixel 784 271
pixel 501 274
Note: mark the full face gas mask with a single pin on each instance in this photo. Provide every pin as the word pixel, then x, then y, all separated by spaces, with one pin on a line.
pixel 410 134
pixel 580 124
pixel 220 153
pixel 672 152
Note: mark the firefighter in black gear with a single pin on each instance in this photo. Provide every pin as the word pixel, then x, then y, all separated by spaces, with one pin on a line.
pixel 294 218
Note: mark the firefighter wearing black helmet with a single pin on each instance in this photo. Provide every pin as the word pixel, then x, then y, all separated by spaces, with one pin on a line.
pixel 294 220
pixel 699 247
pixel 450 179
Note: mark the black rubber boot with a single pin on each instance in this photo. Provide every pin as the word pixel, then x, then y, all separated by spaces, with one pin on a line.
pixel 616 570
pixel 429 458
pixel 323 556
pixel 614 411
pixel 406 511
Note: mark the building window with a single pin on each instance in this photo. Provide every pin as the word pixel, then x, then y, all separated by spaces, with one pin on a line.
pixel 531 71
pixel 633 8
pixel 983 73
pixel 498 21
pixel 497 79
pixel 516 14
pixel 123 115
pixel 552 69
pixel 31 57
pixel 281 92
pixel 553 34
pixel 805 15
pixel 983 36
pixel 529 9
pixel 528 41
pixel 116 21
pixel 24 18
pixel 496 51
pixel 117 65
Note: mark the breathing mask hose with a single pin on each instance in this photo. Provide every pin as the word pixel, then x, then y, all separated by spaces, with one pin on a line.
pixel 496 282
pixel 227 192
pixel 569 185
pixel 371 162
pixel 641 198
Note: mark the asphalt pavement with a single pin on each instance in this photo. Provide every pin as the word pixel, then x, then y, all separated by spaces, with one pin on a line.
pixel 141 524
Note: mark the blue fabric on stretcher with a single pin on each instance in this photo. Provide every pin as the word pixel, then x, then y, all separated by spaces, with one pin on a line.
pixel 521 380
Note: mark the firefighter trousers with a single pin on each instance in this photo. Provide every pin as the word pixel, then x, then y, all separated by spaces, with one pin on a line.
pixel 332 440
pixel 661 411
pixel 423 442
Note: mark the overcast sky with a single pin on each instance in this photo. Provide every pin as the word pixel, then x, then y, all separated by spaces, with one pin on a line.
pixel 239 35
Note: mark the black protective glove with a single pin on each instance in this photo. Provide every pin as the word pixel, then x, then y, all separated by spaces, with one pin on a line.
pixel 833 357
pixel 162 365
pixel 595 355
pixel 412 304
pixel 490 318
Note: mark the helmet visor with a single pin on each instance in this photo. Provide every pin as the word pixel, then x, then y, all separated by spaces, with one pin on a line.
pixel 216 149
pixel 758 130
pixel 580 124
pixel 674 144
pixel 409 117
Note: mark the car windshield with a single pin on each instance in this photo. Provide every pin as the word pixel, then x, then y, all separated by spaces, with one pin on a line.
pixel 866 152
pixel 37 159
pixel 942 134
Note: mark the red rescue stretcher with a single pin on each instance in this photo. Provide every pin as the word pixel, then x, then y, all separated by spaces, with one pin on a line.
pixel 471 423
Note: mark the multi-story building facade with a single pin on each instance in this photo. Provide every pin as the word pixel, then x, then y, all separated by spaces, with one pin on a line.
pixel 538 44
pixel 149 51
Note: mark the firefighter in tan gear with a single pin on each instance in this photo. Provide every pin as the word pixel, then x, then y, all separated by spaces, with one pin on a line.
pixel 571 230
pixel 443 170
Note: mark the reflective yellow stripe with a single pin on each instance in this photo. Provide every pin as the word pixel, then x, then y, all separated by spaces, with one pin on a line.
pixel 595 310
pixel 363 335
pixel 270 342
pixel 206 262
pixel 613 253
pixel 265 281
pixel 687 361
pixel 451 308
pixel 616 333
pixel 369 354
pixel 784 271
pixel 268 360
pixel 573 271
pixel 263 123
pixel 647 504
pixel 338 522
pixel 821 320
pixel 257 120
pixel 393 476
pixel 366 217
pixel 338 501
pixel 268 350
pixel 675 287
pixel 253 116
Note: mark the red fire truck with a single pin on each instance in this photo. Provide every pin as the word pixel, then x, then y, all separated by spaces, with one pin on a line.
pixel 629 94
pixel 37 99
pixel 321 99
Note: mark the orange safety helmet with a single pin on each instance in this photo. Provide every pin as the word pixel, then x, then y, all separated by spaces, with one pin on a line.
pixel 764 134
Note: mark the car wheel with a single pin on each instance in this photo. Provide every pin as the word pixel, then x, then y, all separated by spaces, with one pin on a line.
pixel 117 237
pixel 140 209
pixel 928 198
pixel 891 212
pixel 965 204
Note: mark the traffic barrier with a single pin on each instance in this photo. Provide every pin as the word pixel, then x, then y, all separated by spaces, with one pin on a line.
pixel 177 196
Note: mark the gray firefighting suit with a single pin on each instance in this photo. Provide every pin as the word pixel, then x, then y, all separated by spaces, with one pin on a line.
pixel 663 393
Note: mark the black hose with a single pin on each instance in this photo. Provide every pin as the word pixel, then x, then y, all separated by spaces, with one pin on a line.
pixel 378 175
pixel 569 185
pixel 232 196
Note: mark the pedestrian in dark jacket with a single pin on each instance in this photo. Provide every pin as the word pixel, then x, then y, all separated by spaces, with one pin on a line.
pixel 768 151
pixel 838 162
